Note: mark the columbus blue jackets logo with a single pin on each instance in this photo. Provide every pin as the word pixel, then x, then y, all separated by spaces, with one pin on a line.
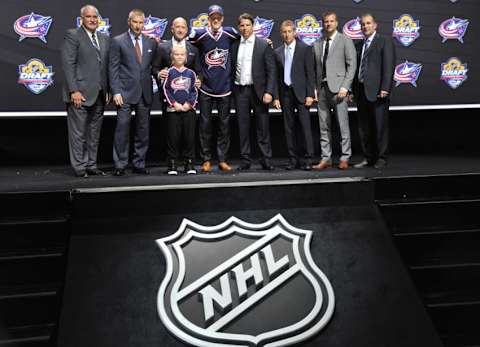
pixel 309 29
pixel 263 27
pixel 154 27
pixel 180 83
pixel 406 29
pixel 103 25
pixel 198 22
pixel 217 58
pixel 35 75
pixel 32 26
pixel 453 28
pixel 407 72
pixel 243 291
pixel 353 29
pixel 454 73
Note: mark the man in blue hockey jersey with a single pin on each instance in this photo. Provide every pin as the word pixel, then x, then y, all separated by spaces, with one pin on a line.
pixel 214 44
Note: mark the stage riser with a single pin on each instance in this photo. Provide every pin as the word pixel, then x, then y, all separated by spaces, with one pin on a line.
pixel 432 187
pixel 115 266
pixel 436 227
pixel 34 233
pixel 437 216
pixel 440 248
pixel 148 203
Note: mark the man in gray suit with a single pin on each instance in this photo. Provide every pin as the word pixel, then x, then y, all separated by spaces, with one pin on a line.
pixel 130 71
pixel 84 62
pixel 335 64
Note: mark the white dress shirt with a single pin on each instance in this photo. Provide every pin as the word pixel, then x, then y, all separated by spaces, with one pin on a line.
pixel 89 34
pixel 132 37
pixel 243 72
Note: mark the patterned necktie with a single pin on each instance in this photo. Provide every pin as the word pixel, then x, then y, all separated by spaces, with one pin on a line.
pixel 137 50
pixel 363 62
pixel 325 56
pixel 288 66
pixel 95 44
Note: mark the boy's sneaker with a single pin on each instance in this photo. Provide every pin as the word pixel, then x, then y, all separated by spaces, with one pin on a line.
pixel 190 168
pixel 172 168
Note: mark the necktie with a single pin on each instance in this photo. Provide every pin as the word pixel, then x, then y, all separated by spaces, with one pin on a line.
pixel 137 50
pixel 363 62
pixel 288 66
pixel 325 56
pixel 95 44
pixel 94 41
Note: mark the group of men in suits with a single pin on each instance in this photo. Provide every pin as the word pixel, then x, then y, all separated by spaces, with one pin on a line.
pixel 291 77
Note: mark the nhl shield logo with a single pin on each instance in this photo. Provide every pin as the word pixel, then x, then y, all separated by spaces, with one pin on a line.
pixel 242 284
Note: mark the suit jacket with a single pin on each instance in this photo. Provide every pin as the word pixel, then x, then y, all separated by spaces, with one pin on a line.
pixel 164 60
pixel 264 73
pixel 302 73
pixel 84 70
pixel 341 63
pixel 127 76
pixel 379 66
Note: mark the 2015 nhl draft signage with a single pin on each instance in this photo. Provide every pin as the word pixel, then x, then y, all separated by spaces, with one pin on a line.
pixel 239 284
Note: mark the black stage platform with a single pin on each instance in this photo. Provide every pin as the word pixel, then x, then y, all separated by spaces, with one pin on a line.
pixel 79 263
pixel 33 178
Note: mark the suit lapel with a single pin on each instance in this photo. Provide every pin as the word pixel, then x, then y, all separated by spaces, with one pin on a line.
pixel 235 47
pixel 374 42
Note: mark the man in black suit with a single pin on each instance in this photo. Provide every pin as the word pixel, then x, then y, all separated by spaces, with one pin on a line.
pixel 84 63
pixel 254 77
pixel 163 58
pixel 372 88
pixel 295 70
pixel 130 71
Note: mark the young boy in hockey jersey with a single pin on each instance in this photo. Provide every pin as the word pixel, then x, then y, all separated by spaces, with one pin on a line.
pixel 214 44
pixel 181 94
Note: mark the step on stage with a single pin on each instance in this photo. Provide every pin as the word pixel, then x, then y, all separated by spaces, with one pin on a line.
pixel 332 258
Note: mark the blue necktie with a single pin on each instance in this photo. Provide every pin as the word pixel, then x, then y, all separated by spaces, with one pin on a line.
pixel 287 79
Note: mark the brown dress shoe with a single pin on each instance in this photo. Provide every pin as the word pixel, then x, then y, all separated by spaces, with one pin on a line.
pixel 206 166
pixel 224 166
pixel 322 165
pixel 343 165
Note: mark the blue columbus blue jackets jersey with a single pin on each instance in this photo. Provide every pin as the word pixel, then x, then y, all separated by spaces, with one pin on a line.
pixel 215 59
pixel 179 86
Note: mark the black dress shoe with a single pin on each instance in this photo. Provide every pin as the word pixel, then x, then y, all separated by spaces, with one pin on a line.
pixel 362 164
pixel 244 167
pixel 119 172
pixel 140 170
pixel 96 172
pixel 380 164
pixel 292 165
pixel 82 174
pixel 307 165
pixel 268 167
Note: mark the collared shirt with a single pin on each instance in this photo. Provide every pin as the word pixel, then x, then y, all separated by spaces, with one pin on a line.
pixel 132 37
pixel 243 72
pixel 332 38
pixel 181 43
pixel 89 34
pixel 367 43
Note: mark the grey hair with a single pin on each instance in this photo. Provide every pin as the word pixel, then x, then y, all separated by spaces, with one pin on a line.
pixel 86 7
pixel 136 12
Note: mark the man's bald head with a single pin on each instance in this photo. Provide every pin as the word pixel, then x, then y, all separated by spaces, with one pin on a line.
pixel 179 28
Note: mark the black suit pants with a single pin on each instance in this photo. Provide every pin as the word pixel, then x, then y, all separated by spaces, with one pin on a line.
pixel 181 133
pixel 373 126
pixel 289 104
pixel 245 100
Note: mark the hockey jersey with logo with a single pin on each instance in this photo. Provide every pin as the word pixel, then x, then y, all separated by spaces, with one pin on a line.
pixel 179 86
pixel 215 59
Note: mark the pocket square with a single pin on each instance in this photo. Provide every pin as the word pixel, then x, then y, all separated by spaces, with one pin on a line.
pixel 149 51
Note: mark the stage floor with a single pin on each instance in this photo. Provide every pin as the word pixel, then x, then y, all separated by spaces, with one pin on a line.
pixel 60 178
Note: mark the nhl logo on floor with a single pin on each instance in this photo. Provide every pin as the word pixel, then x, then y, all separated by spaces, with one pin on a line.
pixel 242 284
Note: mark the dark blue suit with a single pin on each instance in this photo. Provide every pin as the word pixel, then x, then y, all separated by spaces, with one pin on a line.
pixel 133 81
